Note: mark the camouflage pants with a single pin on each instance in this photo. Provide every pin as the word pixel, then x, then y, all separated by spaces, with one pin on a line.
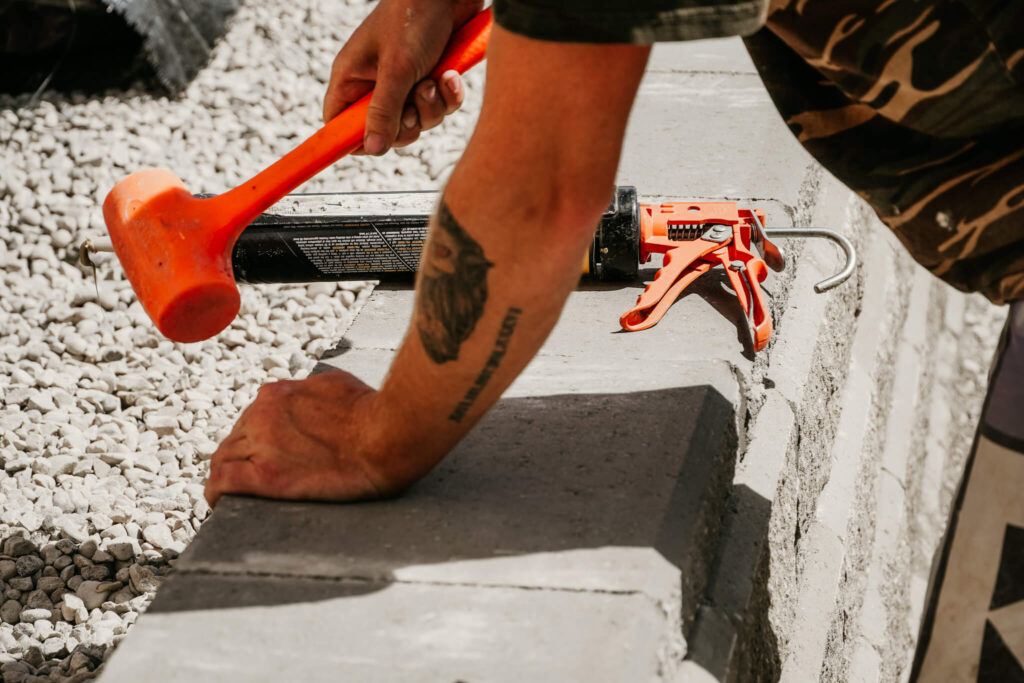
pixel 918 106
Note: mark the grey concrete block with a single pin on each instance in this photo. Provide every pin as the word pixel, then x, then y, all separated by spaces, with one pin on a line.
pixel 539 507
pixel 268 630
pixel 731 638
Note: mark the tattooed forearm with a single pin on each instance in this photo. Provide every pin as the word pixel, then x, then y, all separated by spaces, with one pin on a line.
pixel 452 288
pixel 508 326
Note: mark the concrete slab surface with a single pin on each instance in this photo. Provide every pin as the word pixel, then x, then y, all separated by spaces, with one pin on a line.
pixel 668 150
pixel 542 490
pixel 401 633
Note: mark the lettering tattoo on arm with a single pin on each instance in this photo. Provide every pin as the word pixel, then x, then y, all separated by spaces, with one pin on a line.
pixel 508 326
pixel 452 288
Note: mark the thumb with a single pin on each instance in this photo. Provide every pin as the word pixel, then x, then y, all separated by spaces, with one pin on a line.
pixel 386 105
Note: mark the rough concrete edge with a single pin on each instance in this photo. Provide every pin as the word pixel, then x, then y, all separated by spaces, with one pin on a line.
pixel 822 321
pixel 880 643
pixel 725 642
pixel 861 531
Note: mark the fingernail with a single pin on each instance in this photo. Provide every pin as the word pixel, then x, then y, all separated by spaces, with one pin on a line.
pixel 409 119
pixel 430 92
pixel 454 84
pixel 374 144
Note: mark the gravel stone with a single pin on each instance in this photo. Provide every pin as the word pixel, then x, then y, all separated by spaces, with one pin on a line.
pixel 95 573
pixel 29 616
pixel 159 535
pixel 124 550
pixel 89 595
pixel 55 648
pixel 73 526
pixel 43 629
pixel 7 569
pixel 10 611
pixel 142 579
pixel 49 553
pixel 38 599
pixel 33 657
pixel 56 465
pixel 102 556
pixel 21 583
pixel 18 546
pixel 79 660
pixel 29 564
pixel 73 607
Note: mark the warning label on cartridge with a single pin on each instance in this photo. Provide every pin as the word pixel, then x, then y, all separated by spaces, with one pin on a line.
pixel 365 251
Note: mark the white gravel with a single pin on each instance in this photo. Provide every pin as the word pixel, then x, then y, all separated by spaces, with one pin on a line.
pixel 106 428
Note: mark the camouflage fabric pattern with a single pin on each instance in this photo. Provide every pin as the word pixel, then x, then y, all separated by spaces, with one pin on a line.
pixel 919 107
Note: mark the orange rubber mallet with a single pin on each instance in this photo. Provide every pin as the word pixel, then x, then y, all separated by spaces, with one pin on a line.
pixel 176 248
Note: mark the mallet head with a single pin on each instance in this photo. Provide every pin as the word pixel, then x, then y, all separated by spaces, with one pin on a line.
pixel 174 250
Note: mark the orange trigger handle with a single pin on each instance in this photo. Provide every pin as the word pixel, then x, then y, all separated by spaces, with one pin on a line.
pixel 694 238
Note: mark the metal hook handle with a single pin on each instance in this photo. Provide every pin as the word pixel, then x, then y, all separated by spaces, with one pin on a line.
pixel 845 244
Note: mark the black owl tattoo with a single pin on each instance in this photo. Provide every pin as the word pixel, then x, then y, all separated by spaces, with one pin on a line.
pixel 452 288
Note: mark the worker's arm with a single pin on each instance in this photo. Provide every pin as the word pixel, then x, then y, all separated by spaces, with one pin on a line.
pixel 504 251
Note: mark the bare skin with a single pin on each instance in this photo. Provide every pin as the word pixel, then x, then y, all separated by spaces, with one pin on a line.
pixel 391 53
pixel 503 254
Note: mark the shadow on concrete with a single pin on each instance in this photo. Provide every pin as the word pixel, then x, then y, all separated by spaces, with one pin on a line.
pixel 715 289
pixel 732 637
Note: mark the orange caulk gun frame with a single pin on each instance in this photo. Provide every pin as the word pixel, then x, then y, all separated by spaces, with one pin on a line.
pixel 695 237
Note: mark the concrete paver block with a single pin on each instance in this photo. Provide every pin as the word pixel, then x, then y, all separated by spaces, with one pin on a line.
pixel 269 630
pixel 544 507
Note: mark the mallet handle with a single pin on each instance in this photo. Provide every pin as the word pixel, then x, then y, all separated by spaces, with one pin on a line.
pixel 342 135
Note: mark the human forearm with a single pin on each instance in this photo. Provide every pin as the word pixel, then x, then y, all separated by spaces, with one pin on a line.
pixel 521 208
pixel 506 247
pixel 474 328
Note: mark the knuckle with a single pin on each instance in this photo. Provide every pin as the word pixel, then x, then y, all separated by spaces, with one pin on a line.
pixel 380 113
pixel 398 64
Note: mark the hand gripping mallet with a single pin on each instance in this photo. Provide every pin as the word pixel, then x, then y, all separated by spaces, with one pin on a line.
pixel 176 248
